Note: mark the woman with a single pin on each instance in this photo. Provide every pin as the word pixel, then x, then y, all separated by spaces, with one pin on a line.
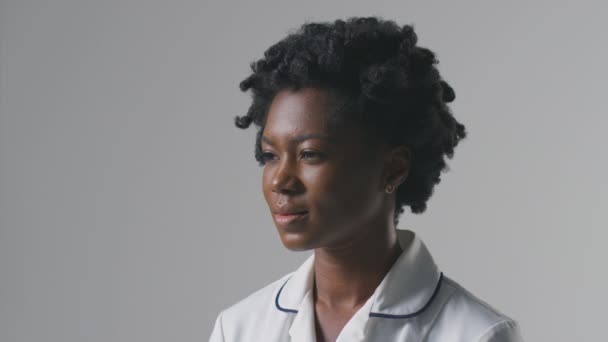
pixel 353 125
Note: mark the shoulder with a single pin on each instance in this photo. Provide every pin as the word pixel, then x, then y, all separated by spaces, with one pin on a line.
pixel 256 302
pixel 251 315
pixel 483 321
pixel 459 296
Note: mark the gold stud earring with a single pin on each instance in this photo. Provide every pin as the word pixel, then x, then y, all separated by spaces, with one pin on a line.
pixel 389 188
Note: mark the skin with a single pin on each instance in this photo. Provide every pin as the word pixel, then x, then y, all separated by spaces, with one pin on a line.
pixel 337 174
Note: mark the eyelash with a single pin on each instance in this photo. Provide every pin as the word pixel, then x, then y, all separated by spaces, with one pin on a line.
pixel 265 155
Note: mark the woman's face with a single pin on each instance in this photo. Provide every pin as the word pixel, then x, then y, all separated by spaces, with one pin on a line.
pixel 330 173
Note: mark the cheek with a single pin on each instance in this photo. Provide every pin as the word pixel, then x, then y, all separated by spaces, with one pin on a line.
pixel 266 184
pixel 342 196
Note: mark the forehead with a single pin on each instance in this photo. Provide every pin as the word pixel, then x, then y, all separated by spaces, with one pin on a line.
pixel 307 110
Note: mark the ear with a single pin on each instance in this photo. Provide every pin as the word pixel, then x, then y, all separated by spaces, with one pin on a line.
pixel 397 165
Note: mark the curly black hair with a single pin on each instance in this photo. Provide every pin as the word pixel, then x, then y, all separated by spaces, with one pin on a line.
pixel 392 83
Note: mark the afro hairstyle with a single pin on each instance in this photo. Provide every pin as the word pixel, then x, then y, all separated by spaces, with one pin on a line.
pixel 391 83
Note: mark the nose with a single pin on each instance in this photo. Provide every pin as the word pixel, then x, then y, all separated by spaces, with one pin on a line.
pixel 284 179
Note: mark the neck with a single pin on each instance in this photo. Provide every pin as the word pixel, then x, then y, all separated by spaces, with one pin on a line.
pixel 348 274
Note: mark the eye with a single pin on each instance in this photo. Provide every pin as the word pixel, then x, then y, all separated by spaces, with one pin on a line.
pixel 266 157
pixel 310 155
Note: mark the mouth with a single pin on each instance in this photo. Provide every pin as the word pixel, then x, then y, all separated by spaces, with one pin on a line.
pixel 286 218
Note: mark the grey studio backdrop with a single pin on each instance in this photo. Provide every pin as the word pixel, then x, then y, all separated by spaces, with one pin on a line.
pixel 131 207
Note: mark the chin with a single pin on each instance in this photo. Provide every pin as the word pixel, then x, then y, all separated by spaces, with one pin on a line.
pixel 297 242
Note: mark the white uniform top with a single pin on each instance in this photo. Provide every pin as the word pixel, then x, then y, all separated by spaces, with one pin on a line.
pixel 415 302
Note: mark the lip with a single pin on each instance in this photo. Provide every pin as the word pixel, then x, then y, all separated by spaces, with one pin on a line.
pixel 288 211
pixel 288 218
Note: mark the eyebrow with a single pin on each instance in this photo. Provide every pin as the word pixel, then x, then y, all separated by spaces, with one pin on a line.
pixel 300 138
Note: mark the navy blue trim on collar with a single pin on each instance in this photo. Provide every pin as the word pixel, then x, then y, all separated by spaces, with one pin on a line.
pixel 276 299
pixel 381 315
pixel 371 314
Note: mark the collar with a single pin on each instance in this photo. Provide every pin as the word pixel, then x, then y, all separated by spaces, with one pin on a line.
pixel 407 289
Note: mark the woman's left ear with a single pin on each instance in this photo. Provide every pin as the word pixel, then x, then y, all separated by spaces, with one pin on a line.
pixel 398 163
